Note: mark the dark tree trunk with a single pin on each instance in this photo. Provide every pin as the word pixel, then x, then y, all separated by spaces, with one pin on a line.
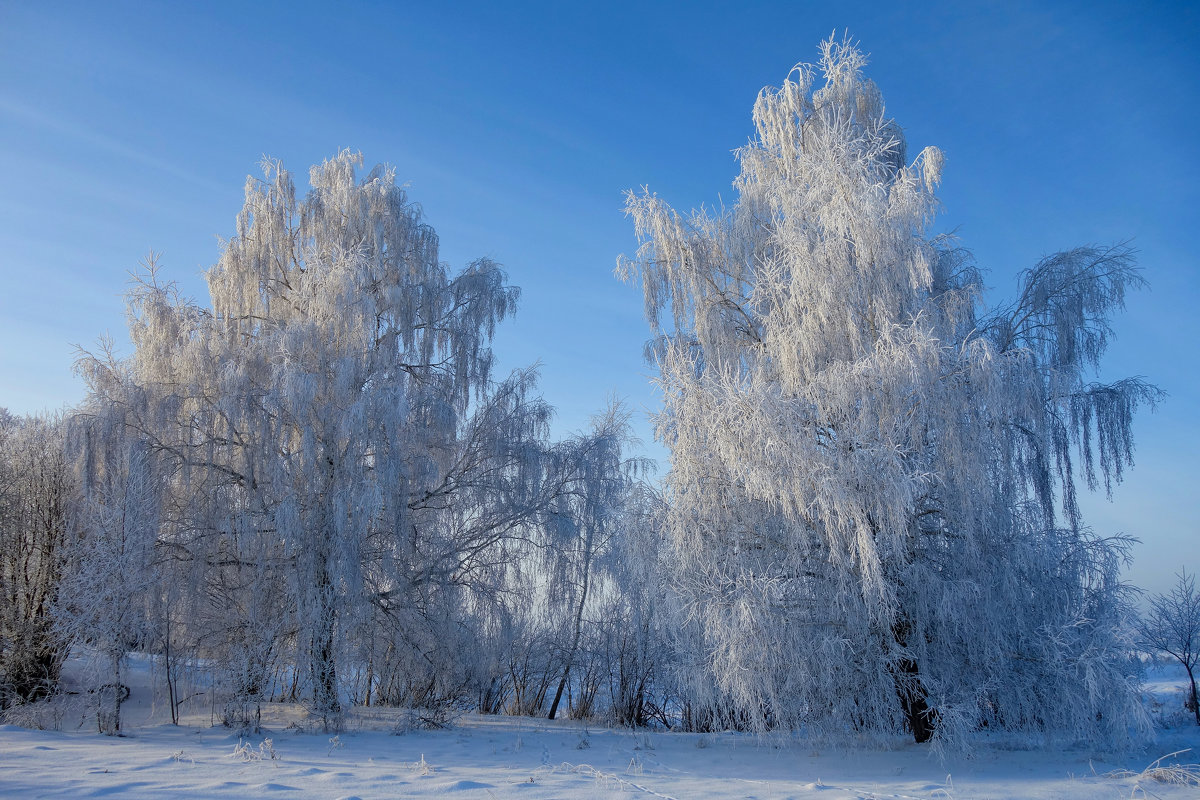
pixel 1193 703
pixel 914 700
pixel 922 720
pixel 558 695
pixel 578 621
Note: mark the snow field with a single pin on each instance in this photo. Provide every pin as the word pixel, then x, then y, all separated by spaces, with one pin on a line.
pixel 493 757
pixel 507 757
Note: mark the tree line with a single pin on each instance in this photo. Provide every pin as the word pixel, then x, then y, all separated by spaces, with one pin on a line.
pixel 315 488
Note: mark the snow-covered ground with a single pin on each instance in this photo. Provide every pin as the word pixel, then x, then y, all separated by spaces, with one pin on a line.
pixel 486 757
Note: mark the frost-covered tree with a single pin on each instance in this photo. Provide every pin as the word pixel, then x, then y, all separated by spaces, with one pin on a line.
pixel 331 425
pixel 872 486
pixel 632 619
pixel 35 497
pixel 540 633
pixel 103 601
pixel 1172 626
pixel 585 519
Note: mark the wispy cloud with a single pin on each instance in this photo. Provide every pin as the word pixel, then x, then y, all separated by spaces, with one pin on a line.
pixel 83 133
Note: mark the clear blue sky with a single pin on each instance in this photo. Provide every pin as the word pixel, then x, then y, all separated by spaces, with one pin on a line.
pixel 131 126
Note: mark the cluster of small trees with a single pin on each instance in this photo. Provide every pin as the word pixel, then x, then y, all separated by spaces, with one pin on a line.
pixel 317 487
pixel 35 491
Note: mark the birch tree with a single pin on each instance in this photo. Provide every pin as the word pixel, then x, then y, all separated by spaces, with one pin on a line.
pixel 873 476
pixel 331 420
pixel 104 600
pixel 1172 626
pixel 585 518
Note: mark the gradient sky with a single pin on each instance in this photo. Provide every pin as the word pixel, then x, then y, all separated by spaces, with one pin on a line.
pixel 126 127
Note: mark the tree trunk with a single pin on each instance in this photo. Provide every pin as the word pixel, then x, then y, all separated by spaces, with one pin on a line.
pixel 578 625
pixel 169 667
pixel 323 669
pixel 1193 703
pixel 558 694
pixel 914 700
pixel 108 702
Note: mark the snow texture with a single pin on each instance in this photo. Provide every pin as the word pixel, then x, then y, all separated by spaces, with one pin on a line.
pixel 485 757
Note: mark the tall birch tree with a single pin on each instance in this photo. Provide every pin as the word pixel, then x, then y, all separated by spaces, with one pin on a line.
pixel 331 420
pixel 873 476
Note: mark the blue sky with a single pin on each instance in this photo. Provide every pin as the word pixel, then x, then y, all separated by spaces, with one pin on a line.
pixel 131 127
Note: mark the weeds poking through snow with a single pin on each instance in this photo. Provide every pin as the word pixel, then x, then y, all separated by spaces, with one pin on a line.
pixel 945 792
pixel 247 753
pixel 1170 774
